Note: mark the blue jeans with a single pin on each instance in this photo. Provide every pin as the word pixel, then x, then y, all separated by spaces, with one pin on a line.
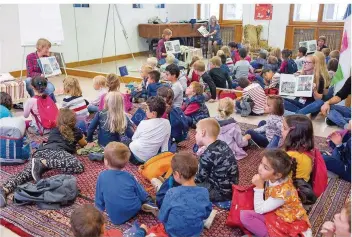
pixel 297 107
pixel 340 115
pixel 82 125
pixel 135 160
pixel 49 89
pixel 93 108
pixel 260 138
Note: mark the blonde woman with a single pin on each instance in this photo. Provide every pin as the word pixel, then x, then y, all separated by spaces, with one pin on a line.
pixel 33 69
pixel 214 36
pixel 313 65
pixel 113 123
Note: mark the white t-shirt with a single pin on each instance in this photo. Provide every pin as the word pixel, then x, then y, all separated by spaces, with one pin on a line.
pixel 150 136
pixel 178 94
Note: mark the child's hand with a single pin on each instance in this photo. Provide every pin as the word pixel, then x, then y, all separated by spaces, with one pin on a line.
pixel 336 138
pixel 247 137
pixel 211 101
pixel 238 98
pixel 91 144
pixel 257 181
pixel 328 229
pixel 144 227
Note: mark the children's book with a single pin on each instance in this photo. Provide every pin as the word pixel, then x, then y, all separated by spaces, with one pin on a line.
pixel 59 58
pixel 310 45
pixel 138 116
pixel 173 46
pixel 203 30
pixel 49 66
pixel 298 86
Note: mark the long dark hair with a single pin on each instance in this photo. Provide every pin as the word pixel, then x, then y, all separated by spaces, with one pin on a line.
pixel 66 122
pixel 39 84
pixel 168 94
pixel 300 137
pixel 279 160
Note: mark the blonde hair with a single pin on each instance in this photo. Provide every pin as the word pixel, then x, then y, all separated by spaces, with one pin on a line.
pixel 100 80
pixel 326 51
pixel 320 69
pixel 194 59
pixel 199 66
pixel 152 61
pixel 170 59
pixel 216 61
pixel 72 87
pixel 272 59
pixel 213 17
pixel 226 107
pixel 210 125
pixel 166 32
pixel 219 53
pixel 335 54
pixel 146 68
pixel 276 52
pixel 113 82
pixel 117 154
pixel 41 43
pixel 114 105
pixel 197 87
pixel 226 50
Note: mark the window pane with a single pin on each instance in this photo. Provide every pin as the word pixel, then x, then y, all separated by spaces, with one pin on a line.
pixel 334 12
pixel 207 10
pixel 232 11
pixel 306 12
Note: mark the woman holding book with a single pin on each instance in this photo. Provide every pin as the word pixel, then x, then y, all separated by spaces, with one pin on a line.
pixel 33 68
pixel 214 36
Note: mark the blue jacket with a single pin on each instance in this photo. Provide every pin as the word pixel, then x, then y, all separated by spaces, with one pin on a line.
pixel 104 135
pixel 200 113
pixel 4 112
pixel 153 88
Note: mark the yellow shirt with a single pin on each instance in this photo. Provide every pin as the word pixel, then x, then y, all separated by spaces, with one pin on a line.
pixel 304 165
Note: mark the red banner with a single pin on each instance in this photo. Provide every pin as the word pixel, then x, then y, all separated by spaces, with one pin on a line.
pixel 263 12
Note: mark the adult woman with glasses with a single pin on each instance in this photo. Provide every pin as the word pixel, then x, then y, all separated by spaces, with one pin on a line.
pixel 313 65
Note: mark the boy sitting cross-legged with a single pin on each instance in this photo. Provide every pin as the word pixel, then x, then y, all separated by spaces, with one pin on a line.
pixel 117 191
pixel 153 83
pixel 172 74
pixel 194 106
pixel 217 165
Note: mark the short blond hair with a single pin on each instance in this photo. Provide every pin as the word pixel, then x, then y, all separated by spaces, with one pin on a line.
pixel 99 80
pixel 276 52
pixel 41 43
pixel 272 59
pixel 216 61
pixel 117 154
pixel 72 87
pixel 199 66
pixel 170 59
pixel 210 125
pixel 326 51
pixel 194 59
pixel 146 68
pixel 219 53
pixel 166 32
pixel 197 87
pixel 335 54
pixel 152 61
pixel 226 51
pixel 226 107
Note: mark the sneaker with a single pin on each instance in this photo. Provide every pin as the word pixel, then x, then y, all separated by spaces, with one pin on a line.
pixel 37 169
pixel 3 195
pixel 156 183
pixel 150 206
pixel 96 156
pixel 329 122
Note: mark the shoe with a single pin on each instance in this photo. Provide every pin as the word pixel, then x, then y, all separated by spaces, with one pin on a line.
pixel 156 183
pixel 96 156
pixel 150 206
pixel 37 169
pixel 3 195
pixel 329 122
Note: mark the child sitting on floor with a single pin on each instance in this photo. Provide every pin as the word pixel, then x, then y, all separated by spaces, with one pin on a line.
pixel 229 61
pixel 220 78
pixel 172 74
pixel 301 57
pixel 168 95
pixel 268 79
pixel 288 65
pixel 326 52
pixel 87 221
pixel 127 197
pixel 153 83
pixel 140 93
pixel 333 64
pixel 113 123
pixel 151 135
pixel 224 68
pixel 268 133
pixel 75 101
pixel 185 207
pixel 278 210
pixel 260 61
pixel 56 153
pixel 206 81
pixel 217 165
pixel 242 67
pixel 272 64
pixel 99 84
pixel 335 54
pixel 234 51
pixel 170 59
pixel 277 53
pixel 194 106
pixel 191 74
pixel 341 225
pixel 5 105
pixel 153 62
pixel 230 131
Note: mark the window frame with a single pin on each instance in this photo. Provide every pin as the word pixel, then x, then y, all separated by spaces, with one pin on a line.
pixel 221 20
pixel 319 22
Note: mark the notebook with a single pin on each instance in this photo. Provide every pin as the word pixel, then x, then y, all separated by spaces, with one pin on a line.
pixel 138 116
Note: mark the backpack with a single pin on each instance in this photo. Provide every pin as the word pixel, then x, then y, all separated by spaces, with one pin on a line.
pixel 159 165
pixel 179 125
pixel 319 176
pixel 14 147
pixel 242 199
pixel 223 94
pixel 291 66
pixel 50 193
pixel 48 113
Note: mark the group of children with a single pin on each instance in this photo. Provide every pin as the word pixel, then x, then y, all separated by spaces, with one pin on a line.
pixel 196 183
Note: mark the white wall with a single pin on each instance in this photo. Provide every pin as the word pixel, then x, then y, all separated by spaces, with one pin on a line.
pixel 90 31
pixel 274 30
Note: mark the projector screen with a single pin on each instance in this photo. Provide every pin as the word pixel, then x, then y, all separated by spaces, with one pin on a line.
pixel 40 21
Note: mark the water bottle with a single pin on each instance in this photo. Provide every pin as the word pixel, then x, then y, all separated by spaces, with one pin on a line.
pixel 166 19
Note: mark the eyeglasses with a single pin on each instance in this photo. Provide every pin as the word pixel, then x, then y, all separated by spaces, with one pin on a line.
pixel 307 62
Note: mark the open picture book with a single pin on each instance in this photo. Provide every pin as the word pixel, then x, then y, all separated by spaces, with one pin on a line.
pixel 49 65
pixel 203 30
pixel 297 86
pixel 311 45
pixel 173 46
pixel 59 58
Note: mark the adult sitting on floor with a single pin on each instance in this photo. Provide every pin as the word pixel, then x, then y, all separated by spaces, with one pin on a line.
pixel 338 114
pixel 33 68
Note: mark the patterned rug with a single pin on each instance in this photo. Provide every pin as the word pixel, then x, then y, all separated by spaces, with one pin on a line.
pixel 56 223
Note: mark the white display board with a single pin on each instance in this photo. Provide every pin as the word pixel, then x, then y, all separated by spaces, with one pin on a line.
pixel 40 21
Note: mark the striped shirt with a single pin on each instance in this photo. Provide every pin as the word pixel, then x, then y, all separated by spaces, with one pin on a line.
pixel 230 64
pixel 257 94
pixel 77 104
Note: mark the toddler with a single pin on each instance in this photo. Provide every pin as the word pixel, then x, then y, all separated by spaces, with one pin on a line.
pixel 99 84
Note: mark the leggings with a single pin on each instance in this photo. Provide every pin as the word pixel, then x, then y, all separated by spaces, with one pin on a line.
pixel 55 159
pixel 254 222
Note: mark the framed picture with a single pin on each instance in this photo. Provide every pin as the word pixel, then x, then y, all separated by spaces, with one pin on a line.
pixel 263 12
pixel 159 5
pixel 137 5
